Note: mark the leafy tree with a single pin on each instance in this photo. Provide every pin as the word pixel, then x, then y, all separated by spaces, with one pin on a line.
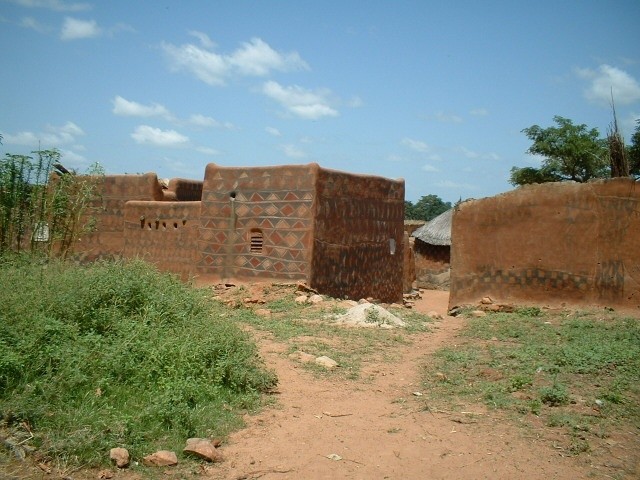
pixel 427 208
pixel 571 152
pixel 409 210
pixel 633 151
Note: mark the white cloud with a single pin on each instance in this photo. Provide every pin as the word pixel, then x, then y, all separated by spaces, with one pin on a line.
pixel 429 168
pixel 471 154
pixel 607 80
pixel 447 117
pixel 72 159
pixel 74 29
pixel 208 151
pixel 253 58
pixel 204 121
pixel 55 5
pixel 128 108
pixel 120 27
pixel 207 66
pixel 205 41
pixel 20 138
pixel 416 145
pixel 292 151
pixel 394 158
pixel 466 152
pixel 273 131
pixel 629 123
pixel 70 129
pixel 479 112
pixel 33 24
pixel 301 102
pixel 355 102
pixel 52 137
pixel 257 58
pixel 144 134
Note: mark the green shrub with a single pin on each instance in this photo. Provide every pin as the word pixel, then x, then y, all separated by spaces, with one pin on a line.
pixel 554 395
pixel 117 354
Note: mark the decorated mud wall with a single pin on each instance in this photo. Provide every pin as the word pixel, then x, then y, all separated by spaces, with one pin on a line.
pixel 341 233
pixel 256 222
pixel 358 236
pixel 550 244
pixel 163 233
pixel 183 190
pixel 107 241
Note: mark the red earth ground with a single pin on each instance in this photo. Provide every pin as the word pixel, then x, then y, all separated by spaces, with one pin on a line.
pixel 379 430
pixel 375 427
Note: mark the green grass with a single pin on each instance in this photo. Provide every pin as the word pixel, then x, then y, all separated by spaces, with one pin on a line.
pixel 577 371
pixel 312 329
pixel 117 354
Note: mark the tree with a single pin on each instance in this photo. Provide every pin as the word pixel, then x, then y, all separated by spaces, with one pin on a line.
pixel 570 152
pixel 427 208
pixel 409 210
pixel 633 151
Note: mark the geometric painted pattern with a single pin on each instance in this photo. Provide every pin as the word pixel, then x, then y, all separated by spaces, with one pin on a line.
pixel 358 237
pixel 277 202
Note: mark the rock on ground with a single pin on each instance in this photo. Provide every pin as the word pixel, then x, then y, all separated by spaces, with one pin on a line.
pixel 370 315
pixel 120 456
pixel 161 458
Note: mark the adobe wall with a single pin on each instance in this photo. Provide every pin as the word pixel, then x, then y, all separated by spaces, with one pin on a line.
pixel 432 264
pixel 186 190
pixel 408 264
pixel 357 219
pixel 241 204
pixel 550 244
pixel 107 242
pixel 163 233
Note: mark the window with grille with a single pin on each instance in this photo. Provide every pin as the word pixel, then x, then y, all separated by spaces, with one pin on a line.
pixel 256 241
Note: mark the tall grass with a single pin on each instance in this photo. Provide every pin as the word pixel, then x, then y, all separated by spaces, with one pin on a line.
pixel 38 209
pixel 117 354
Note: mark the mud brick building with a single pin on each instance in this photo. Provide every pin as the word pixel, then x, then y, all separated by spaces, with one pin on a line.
pixel 432 249
pixel 341 233
pixel 550 244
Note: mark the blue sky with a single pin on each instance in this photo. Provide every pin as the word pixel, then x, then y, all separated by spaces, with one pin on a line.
pixel 433 92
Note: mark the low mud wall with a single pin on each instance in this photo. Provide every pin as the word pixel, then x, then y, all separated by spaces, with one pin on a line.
pixel 107 241
pixel 551 244
pixel 163 233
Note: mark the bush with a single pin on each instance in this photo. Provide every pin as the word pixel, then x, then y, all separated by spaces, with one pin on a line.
pixel 117 354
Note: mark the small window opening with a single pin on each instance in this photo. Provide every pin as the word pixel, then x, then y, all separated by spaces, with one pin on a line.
pixel 392 246
pixel 256 241
pixel 175 224
pixel 232 195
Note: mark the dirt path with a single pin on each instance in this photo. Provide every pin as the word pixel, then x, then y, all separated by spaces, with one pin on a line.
pixel 377 427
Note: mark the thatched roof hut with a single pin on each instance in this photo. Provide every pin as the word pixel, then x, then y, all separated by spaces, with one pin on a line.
pixel 436 231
